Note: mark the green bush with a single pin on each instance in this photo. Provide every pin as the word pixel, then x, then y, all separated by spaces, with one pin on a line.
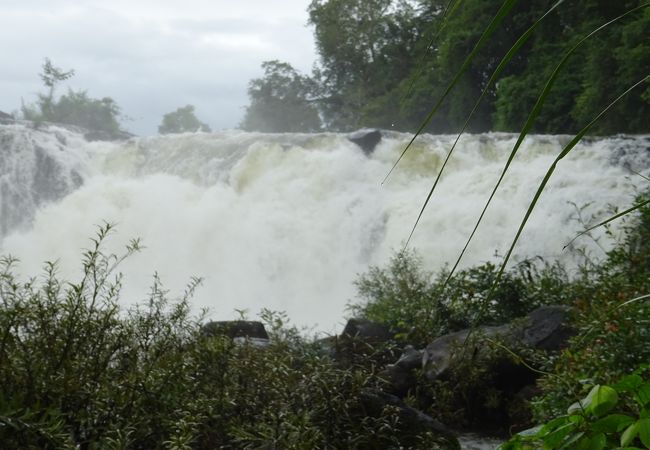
pixel 611 317
pixel 79 371
pixel 421 306
pixel 616 416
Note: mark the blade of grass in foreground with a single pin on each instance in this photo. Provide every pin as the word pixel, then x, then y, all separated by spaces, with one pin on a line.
pixel 565 151
pixel 605 222
pixel 496 20
pixel 502 64
pixel 534 113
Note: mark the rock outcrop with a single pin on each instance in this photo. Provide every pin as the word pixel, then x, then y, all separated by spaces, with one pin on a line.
pixel 367 139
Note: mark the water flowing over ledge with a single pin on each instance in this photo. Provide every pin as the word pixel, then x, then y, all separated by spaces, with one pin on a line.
pixel 287 221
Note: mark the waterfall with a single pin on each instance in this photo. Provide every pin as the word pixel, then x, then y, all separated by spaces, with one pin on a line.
pixel 287 221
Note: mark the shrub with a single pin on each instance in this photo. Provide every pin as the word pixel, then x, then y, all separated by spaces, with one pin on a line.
pixel 78 371
pixel 421 306
pixel 616 416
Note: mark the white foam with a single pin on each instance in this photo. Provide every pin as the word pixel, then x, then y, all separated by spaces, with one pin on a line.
pixel 288 221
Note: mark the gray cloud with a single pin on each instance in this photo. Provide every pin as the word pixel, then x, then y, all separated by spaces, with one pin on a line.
pixel 153 56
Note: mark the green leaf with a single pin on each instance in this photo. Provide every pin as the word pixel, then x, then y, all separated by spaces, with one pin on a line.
pixel 599 400
pixel 628 384
pixel 552 425
pixel 572 440
pixel 628 435
pixel 598 442
pixel 614 423
pixel 604 399
pixel 642 395
pixel 644 431
pixel 553 439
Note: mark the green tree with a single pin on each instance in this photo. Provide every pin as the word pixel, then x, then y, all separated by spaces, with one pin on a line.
pixel 183 120
pixel 281 101
pixel 74 108
pixel 51 76
pixel 365 49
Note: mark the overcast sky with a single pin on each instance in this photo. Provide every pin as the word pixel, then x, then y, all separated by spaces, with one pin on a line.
pixel 152 56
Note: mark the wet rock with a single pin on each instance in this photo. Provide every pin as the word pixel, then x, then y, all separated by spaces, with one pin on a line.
pixel 367 139
pixel 440 354
pixel 545 328
pixel 367 331
pixel 497 384
pixel 363 340
pixel 401 376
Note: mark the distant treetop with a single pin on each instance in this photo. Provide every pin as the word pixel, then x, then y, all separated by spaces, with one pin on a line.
pixel 183 120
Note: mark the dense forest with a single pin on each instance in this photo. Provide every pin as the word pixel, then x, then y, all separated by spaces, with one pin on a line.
pixel 384 63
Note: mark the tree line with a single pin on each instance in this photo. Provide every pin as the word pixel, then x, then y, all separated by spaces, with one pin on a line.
pixel 101 116
pixel 384 63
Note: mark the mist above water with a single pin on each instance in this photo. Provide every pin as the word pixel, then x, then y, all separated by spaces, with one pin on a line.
pixel 288 221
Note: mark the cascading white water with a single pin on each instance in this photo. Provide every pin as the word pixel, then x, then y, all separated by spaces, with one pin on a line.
pixel 287 221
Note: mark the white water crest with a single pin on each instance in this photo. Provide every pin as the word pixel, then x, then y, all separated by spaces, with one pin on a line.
pixel 288 221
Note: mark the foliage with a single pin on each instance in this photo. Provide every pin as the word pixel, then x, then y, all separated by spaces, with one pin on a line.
pixel 384 63
pixel 281 101
pixel 616 416
pixel 611 320
pixel 74 108
pixel 78 371
pixel 421 306
pixel 183 120
pixel 366 50
pixel 610 307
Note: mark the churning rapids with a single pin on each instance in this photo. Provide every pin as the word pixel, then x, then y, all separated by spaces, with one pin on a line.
pixel 287 221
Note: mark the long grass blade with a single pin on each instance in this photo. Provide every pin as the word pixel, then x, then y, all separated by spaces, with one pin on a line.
pixel 611 219
pixel 565 151
pixel 494 23
pixel 502 64
pixel 534 113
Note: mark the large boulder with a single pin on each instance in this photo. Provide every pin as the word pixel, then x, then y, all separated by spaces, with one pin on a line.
pixel 367 331
pixel 361 340
pixel 491 385
pixel 401 376
pixel 545 328
pixel 367 139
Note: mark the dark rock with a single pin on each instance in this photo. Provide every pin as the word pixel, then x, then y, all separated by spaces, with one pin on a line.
pixel 367 139
pixel 326 346
pixel 499 383
pixel 411 421
pixel 546 328
pixel 236 329
pixel 440 354
pixel 401 376
pixel 367 331
pixel 363 341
